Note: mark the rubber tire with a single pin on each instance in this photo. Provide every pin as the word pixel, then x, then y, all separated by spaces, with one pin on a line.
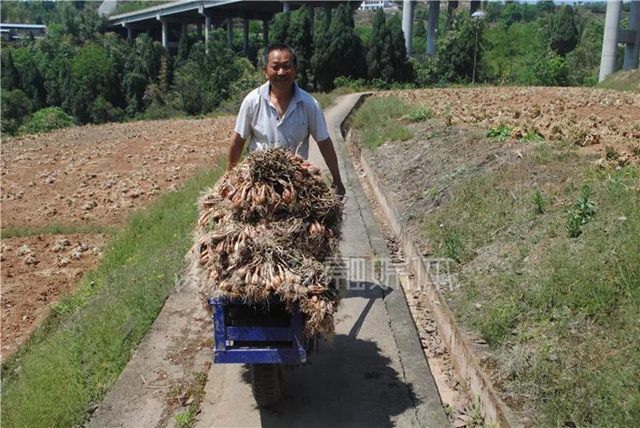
pixel 265 384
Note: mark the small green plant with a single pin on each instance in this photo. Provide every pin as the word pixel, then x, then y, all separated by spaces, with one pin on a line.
pixel 453 245
pixel 531 136
pixel 499 133
pixel 419 115
pixel 185 419
pixel 539 202
pixel 582 211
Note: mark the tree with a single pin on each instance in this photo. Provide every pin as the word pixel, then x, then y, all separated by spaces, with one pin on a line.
pixel 564 34
pixel 10 74
pixel 279 28
pixel 299 38
pixel 205 80
pixel 460 50
pixel 378 64
pixel 338 51
pixel 397 51
pixel 15 108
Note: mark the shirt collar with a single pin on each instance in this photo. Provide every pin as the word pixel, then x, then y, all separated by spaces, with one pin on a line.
pixel 263 91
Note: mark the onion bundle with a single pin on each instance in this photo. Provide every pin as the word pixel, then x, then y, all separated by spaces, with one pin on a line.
pixel 270 227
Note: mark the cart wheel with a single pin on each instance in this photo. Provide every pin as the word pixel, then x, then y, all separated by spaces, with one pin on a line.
pixel 265 384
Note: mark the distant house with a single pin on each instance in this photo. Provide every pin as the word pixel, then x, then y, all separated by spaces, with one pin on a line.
pixel 377 4
pixel 11 31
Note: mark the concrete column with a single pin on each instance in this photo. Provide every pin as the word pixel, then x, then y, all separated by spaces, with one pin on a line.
pixel 632 51
pixel 265 32
pixel 475 5
pixel 183 30
pixel 610 40
pixel 432 29
pixel 407 24
pixel 451 7
pixel 165 33
pixel 129 33
pixel 286 7
pixel 245 35
pixel 312 15
pixel 230 32
pixel 327 12
pixel 207 31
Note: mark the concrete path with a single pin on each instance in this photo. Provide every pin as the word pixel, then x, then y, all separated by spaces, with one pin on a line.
pixel 373 373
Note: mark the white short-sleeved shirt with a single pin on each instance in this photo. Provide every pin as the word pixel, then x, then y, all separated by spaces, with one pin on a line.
pixel 258 120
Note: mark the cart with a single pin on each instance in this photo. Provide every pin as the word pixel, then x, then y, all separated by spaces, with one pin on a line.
pixel 265 337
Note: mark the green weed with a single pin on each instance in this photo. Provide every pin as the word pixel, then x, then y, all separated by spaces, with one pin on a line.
pixel 581 213
pixel 419 115
pixel 499 133
pixel 72 361
pixel 453 245
pixel 539 202
pixel 531 136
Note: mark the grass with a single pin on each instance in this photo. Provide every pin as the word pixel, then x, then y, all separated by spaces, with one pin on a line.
pixel 325 99
pixel 73 360
pixel 560 312
pixel 622 81
pixel 379 120
pixel 56 229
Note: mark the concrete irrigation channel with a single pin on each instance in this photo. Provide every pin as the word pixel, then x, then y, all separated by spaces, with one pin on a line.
pixel 372 373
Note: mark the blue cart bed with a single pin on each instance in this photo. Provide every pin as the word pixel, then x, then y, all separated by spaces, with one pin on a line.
pixel 263 334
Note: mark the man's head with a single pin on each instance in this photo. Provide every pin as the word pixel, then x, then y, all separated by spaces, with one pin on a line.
pixel 280 64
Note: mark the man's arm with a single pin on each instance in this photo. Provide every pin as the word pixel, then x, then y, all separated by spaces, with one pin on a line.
pixel 330 158
pixel 235 150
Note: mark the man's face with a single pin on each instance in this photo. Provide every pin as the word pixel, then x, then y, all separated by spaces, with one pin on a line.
pixel 280 70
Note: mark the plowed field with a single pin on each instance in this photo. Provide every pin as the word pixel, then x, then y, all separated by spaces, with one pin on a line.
pixel 77 177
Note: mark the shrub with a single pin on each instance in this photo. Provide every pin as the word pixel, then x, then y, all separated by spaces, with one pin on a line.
pixel 47 120
pixel 15 108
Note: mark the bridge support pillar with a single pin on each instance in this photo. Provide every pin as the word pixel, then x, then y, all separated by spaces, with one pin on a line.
pixel 632 51
pixel 165 33
pixel 432 29
pixel 610 40
pixel 207 31
pixel 286 7
pixel 407 24
pixel 129 33
pixel 230 32
pixel 265 32
pixel 245 35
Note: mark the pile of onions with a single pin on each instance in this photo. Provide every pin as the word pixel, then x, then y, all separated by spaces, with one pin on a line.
pixel 270 227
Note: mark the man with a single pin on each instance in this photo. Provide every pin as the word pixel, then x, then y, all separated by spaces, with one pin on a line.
pixel 280 114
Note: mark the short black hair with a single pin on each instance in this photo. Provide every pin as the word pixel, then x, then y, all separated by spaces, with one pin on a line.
pixel 279 47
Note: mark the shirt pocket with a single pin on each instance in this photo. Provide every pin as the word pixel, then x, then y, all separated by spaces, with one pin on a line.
pixel 299 130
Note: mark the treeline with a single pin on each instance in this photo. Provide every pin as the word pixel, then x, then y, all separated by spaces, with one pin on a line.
pixel 531 44
pixel 78 73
